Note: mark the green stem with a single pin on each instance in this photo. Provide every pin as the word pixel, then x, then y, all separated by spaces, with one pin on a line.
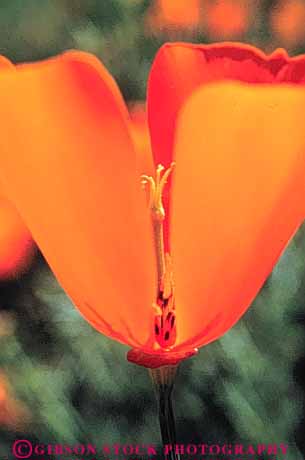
pixel 163 379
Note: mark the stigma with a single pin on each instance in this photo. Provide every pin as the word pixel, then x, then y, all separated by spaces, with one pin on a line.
pixel 156 187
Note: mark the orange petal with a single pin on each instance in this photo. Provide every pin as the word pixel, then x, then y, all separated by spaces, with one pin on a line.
pixel 5 63
pixel 16 244
pixel 68 162
pixel 179 68
pixel 238 197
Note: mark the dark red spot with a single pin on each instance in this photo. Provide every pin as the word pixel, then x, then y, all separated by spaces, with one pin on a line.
pixel 165 302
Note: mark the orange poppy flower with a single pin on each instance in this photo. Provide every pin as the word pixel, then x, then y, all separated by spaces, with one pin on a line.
pixel 232 120
pixel 287 20
pixel 16 244
pixel 227 19
pixel 178 14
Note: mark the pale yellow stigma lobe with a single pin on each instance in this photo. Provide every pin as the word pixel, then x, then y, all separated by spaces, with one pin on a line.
pixel 156 187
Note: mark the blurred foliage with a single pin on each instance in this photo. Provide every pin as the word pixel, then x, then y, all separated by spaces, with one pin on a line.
pixel 61 380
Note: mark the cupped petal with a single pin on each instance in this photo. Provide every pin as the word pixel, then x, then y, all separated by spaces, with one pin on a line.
pixel 69 165
pixel 16 244
pixel 238 197
pixel 179 68
pixel 294 71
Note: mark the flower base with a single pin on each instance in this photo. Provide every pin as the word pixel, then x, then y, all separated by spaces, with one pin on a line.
pixel 154 360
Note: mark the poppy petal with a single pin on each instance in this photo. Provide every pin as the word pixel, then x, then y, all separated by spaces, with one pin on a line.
pixel 180 68
pixel 68 163
pixel 238 197
pixel 294 71
pixel 16 244
pixel 5 63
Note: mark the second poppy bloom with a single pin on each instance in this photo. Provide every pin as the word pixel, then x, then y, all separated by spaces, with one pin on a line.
pixel 230 117
pixel 166 15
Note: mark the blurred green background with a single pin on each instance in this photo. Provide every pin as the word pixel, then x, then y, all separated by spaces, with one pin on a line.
pixel 60 380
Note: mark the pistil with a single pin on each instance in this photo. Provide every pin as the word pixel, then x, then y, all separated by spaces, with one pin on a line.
pixel 156 187
pixel 165 320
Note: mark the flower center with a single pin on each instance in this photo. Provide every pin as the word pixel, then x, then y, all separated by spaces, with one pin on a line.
pixel 165 318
